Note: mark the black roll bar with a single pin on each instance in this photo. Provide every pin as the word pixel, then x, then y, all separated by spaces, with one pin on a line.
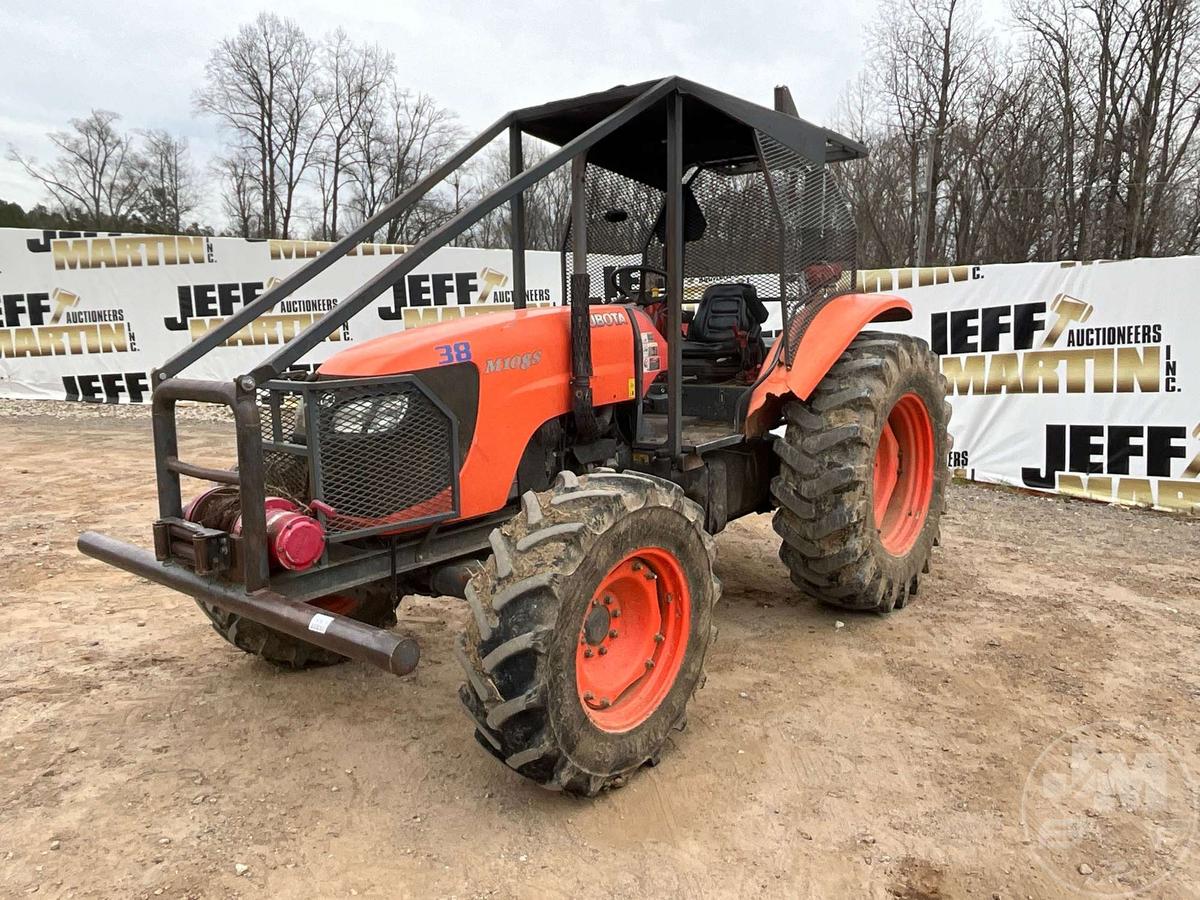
pixel 321 328
pixel 240 395
pixel 270 299
pixel 516 165
pixel 674 267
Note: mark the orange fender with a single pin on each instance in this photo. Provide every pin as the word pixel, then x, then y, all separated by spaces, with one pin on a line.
pixel 828 334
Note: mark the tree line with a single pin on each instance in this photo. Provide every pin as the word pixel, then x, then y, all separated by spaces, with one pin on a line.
pixel 1073 137
pixel 105 178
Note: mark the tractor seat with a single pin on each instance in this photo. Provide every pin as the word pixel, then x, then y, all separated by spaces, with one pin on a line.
pixel 712 350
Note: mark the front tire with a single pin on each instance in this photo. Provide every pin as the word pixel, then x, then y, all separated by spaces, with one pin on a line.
pixel 862 481
pixel 370 603
pixel 589 627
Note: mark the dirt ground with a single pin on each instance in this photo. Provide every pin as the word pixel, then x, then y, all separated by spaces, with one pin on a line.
pixel 829 754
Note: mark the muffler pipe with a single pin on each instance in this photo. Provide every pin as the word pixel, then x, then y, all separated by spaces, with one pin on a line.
pixel 338 634
pixel 451 580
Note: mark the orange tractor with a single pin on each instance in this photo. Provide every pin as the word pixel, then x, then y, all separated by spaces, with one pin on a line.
pixel 563 469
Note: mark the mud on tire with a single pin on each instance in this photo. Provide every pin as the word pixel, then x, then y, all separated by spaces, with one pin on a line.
pixel 528 605
pixel 370 603
pixel 825 487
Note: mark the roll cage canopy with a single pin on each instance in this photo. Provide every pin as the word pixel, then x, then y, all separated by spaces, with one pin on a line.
pixel 611 128
pixel 720 130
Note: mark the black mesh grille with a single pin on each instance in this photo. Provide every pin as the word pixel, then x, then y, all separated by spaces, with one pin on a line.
pixel 277 414
pixel 379 453
pixel 385 456
pixel 818 237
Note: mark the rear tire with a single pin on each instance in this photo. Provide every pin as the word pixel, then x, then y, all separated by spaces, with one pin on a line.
pixel 535 644
pixel 833 472
pixel 370 603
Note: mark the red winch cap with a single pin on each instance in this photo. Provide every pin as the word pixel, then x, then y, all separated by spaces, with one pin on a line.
pixel 271 504
pixel 296 540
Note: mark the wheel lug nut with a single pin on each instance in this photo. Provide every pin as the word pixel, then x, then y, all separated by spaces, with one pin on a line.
pixel 605 703
pixel 603 651
pixel 613 633
pixel 659 638
pixel 668 598
pixel 588 652
pixel 649 664
pixel 650 576
pixel 608 599
pixel 589 696
pixel 637 566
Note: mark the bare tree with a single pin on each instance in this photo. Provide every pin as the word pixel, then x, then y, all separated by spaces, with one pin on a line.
pixel 240 200
pixel 300 124
pixel 262 86
pixel 927 59
pixel 354 75
pixel 547 202
pixel 172 189
pixel 95 178
pixel 1079 142
pixel 402 140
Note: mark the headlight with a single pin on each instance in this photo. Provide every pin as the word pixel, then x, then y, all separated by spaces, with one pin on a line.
pixel 370 416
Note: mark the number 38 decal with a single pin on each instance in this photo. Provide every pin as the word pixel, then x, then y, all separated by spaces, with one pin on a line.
pixel 459 351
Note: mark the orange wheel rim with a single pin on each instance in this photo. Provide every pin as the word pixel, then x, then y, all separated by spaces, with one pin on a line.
pixel 633 639
pixel 903 479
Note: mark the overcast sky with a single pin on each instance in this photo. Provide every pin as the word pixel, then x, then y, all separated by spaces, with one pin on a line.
pixel 146 60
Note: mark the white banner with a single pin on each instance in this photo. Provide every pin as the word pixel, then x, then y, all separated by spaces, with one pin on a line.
pixel 1063 377
pixel 86 317
pixel 1067 377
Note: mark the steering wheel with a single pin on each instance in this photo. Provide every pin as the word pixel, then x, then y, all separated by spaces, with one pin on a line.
pixel 622 281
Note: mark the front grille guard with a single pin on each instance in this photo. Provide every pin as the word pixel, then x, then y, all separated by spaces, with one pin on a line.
pixel 370 477
pixel 379 455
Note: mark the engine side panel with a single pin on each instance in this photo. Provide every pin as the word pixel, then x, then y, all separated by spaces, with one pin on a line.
pixel 523 358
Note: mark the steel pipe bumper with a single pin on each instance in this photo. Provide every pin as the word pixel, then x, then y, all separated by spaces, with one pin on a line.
pixel 338 634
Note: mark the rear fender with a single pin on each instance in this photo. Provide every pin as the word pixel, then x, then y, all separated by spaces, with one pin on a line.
pixel 820 342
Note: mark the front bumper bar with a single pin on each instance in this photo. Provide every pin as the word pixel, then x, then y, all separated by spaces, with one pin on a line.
pixel 338 634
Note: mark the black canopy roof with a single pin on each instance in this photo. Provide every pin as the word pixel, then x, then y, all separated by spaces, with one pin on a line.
pixel 717 128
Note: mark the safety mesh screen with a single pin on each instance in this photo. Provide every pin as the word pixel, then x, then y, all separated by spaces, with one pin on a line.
pixel 386 455
pixel 621 217
pixel 780 223
pixel 279 422
pixel 731 224
pixel 740 238
pixel 818 236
